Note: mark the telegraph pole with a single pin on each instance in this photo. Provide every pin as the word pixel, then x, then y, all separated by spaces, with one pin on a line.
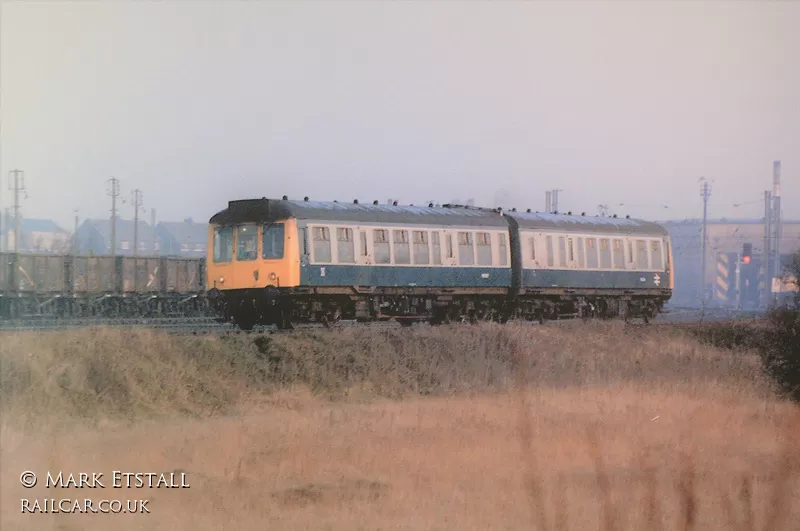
pixel 706 193
pixel 776 215
pixel 75 246
pixel 137 203
pixel 114 192
pixel 17 184
pixel 153 229
pixel 765 254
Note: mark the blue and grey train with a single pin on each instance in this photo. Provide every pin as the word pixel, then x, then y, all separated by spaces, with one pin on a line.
pixel 283 262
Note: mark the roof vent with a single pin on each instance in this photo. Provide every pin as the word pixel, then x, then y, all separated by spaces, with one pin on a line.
pixel 430 205
pixel 583 213
pixel 628 216
pixel 528 211
pixel 375 202
pixel 285 197
pixel 355 201
pixel 514 209
pixel 305 198
pixel 555 212
pixel 614 215
pixel 335 201
pixel 394 203
pixel 569 213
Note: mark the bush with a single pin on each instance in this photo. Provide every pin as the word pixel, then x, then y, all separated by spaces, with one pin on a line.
pixel 780 350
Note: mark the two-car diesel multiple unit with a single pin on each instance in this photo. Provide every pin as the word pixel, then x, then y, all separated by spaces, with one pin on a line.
pixel 286 262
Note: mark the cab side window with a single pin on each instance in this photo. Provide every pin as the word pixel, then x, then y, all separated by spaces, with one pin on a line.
pixel 272 242
pixel 223 244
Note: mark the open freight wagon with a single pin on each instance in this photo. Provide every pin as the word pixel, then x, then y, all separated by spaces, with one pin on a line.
pixel 100 286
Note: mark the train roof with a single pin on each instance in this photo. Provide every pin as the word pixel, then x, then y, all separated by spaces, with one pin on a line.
pixel 591 224
pixel 267 210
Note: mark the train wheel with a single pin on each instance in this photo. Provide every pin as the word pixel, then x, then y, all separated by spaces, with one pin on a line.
pixel 330 320
pixel 284 321
pixel 244 322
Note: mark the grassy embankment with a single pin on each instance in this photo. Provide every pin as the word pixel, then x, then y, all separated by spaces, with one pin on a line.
pixel 483 427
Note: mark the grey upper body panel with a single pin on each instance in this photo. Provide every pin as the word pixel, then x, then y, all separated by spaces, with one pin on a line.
pixel 586 224
pixel 270 210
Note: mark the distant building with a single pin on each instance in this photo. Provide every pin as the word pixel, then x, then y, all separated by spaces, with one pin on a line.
pixel 36 236
pixel 183 238
pixel 94 237
pixel 724 243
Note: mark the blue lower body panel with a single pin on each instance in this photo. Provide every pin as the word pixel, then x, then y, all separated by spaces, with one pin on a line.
pixel 476 277
pixel 399 276
pixel 550 278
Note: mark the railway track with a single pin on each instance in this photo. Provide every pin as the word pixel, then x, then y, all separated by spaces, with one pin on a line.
pixel 177 325
pixel 208 325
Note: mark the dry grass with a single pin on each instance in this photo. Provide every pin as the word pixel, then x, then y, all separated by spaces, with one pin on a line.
pixel 487 427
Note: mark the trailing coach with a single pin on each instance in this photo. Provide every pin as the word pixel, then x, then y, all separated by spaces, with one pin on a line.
pixel 284 262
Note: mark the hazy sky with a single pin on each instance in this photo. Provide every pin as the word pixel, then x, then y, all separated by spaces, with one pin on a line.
pixel 197 103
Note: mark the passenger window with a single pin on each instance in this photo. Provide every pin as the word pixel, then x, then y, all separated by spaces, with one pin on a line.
pixel 402 254
pixel 448 242
pixel 502 249
pixel 272 242
pixel 346 245
pixel 641 255
pixel 466 255
pixel 605 254
pixel 380 246
pixel 223 244
pixel 484 248
pixel 655 255
pixel 363 238
pixel 631 256
pixel 436 248
pixel 591 253
pixel 421 252
pixel 619 255
pixel 533 248
pixel 581 255
pixel 246 243
pixel 571 249
pixel 549 251
pixel 322 245
pixel 562 251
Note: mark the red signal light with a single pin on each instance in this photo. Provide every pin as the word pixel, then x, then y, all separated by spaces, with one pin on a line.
pixel 746 259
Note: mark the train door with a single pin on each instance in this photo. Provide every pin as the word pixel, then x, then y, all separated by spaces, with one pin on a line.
pixel 572 254
pixel 449 258
pixel 364 255
pixel 305 258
